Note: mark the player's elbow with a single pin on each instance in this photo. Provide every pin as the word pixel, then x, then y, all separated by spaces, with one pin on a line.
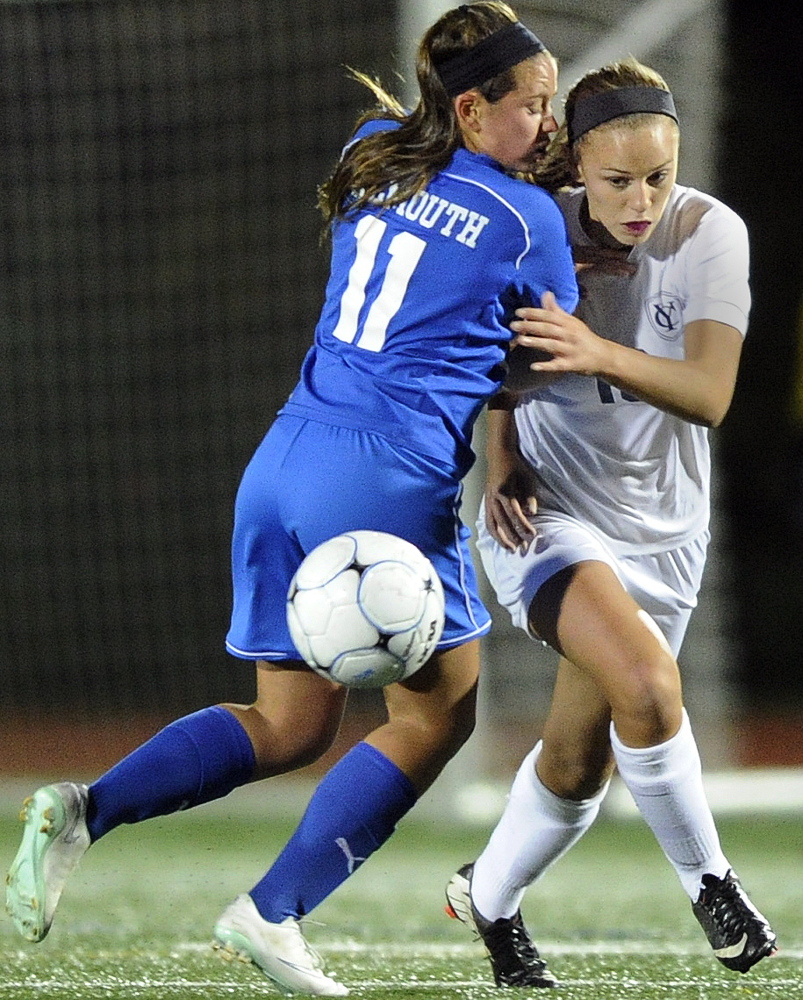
pixel 712 408
pixel 708 419
pixel 716 412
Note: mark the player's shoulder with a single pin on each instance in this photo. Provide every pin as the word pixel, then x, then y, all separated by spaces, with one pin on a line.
pixel 370 127
pixel 697 208
pixel 697 226
pixel 520 199
pixel 569 201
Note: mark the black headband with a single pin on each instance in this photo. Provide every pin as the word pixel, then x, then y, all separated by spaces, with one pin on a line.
pixel 488 58
pixel 609 104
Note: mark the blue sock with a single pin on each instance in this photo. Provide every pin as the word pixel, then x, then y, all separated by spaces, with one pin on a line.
pixel 193 760
pixel 353 811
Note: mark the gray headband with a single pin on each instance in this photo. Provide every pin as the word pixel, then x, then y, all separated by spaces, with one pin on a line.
pixel 589 112
pixel 488 58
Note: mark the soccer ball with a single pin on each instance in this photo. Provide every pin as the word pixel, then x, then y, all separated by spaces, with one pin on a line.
pixel 365 609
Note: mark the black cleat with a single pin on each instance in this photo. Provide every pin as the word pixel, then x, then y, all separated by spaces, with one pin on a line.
pixel 738 933
pixel 514 958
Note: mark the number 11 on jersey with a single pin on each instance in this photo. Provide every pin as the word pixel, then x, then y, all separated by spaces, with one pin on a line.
pixel 403 254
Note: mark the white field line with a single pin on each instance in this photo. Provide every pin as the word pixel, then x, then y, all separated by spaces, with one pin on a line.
pixel 744 792
pixel 249 989
pixel 681 950
pixel 431 949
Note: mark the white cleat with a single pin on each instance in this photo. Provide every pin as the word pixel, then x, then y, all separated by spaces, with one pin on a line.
pixel 53 842
pixel 278 949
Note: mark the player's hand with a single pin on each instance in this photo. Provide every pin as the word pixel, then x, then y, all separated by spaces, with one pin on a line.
pixel 509 503
pixel 572 346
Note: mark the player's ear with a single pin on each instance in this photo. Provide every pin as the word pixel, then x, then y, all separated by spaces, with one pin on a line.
pixel 577 173
pixel 468 110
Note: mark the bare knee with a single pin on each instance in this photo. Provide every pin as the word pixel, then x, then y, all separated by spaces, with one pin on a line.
pixel 442 731
pixel 293 720
pixel 431 715
pixel 280 747
pixel 451 729
pixel 573 772
pixel 646 701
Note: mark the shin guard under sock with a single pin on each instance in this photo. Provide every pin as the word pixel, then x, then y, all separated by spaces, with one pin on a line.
pixel 667 785
pixel 536 828
pixel 193 760
pixel 352 812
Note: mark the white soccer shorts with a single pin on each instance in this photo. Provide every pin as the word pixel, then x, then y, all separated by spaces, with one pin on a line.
pixel 664 584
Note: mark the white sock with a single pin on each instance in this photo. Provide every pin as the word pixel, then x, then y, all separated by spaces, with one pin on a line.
pixel 667 784
pixel 536 828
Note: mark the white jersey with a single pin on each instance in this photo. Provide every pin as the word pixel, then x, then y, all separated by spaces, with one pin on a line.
pixel 635 473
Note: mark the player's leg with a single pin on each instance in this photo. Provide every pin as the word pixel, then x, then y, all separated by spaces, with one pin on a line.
pixel 293 720
pixel 538 825
pixel 554 799
pixel 193 760
pixel 353 811
pixel 430 715
pixel 358 803
pixel 204 756
pixel 587 614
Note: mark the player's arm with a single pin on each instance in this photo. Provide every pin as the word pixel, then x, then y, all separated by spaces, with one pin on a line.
pixel 509 484
pixel 698 388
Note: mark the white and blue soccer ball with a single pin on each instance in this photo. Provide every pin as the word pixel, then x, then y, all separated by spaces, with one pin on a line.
pixel 365 609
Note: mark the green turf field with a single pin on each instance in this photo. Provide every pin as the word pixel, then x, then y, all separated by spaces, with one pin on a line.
pixel 136 919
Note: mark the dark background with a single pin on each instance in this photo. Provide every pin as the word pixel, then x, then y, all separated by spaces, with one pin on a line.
pixel 761 173
pixel 161 280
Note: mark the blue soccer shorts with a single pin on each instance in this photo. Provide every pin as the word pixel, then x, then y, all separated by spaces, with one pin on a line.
pixel 309 481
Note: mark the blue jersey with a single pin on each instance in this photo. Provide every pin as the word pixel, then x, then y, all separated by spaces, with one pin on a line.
pixel 414 330
pixel 411 342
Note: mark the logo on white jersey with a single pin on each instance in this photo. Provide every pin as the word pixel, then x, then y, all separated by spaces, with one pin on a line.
pixel 665 312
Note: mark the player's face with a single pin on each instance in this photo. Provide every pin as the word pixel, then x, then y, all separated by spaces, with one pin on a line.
pixel 515 130
pixel 628 175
